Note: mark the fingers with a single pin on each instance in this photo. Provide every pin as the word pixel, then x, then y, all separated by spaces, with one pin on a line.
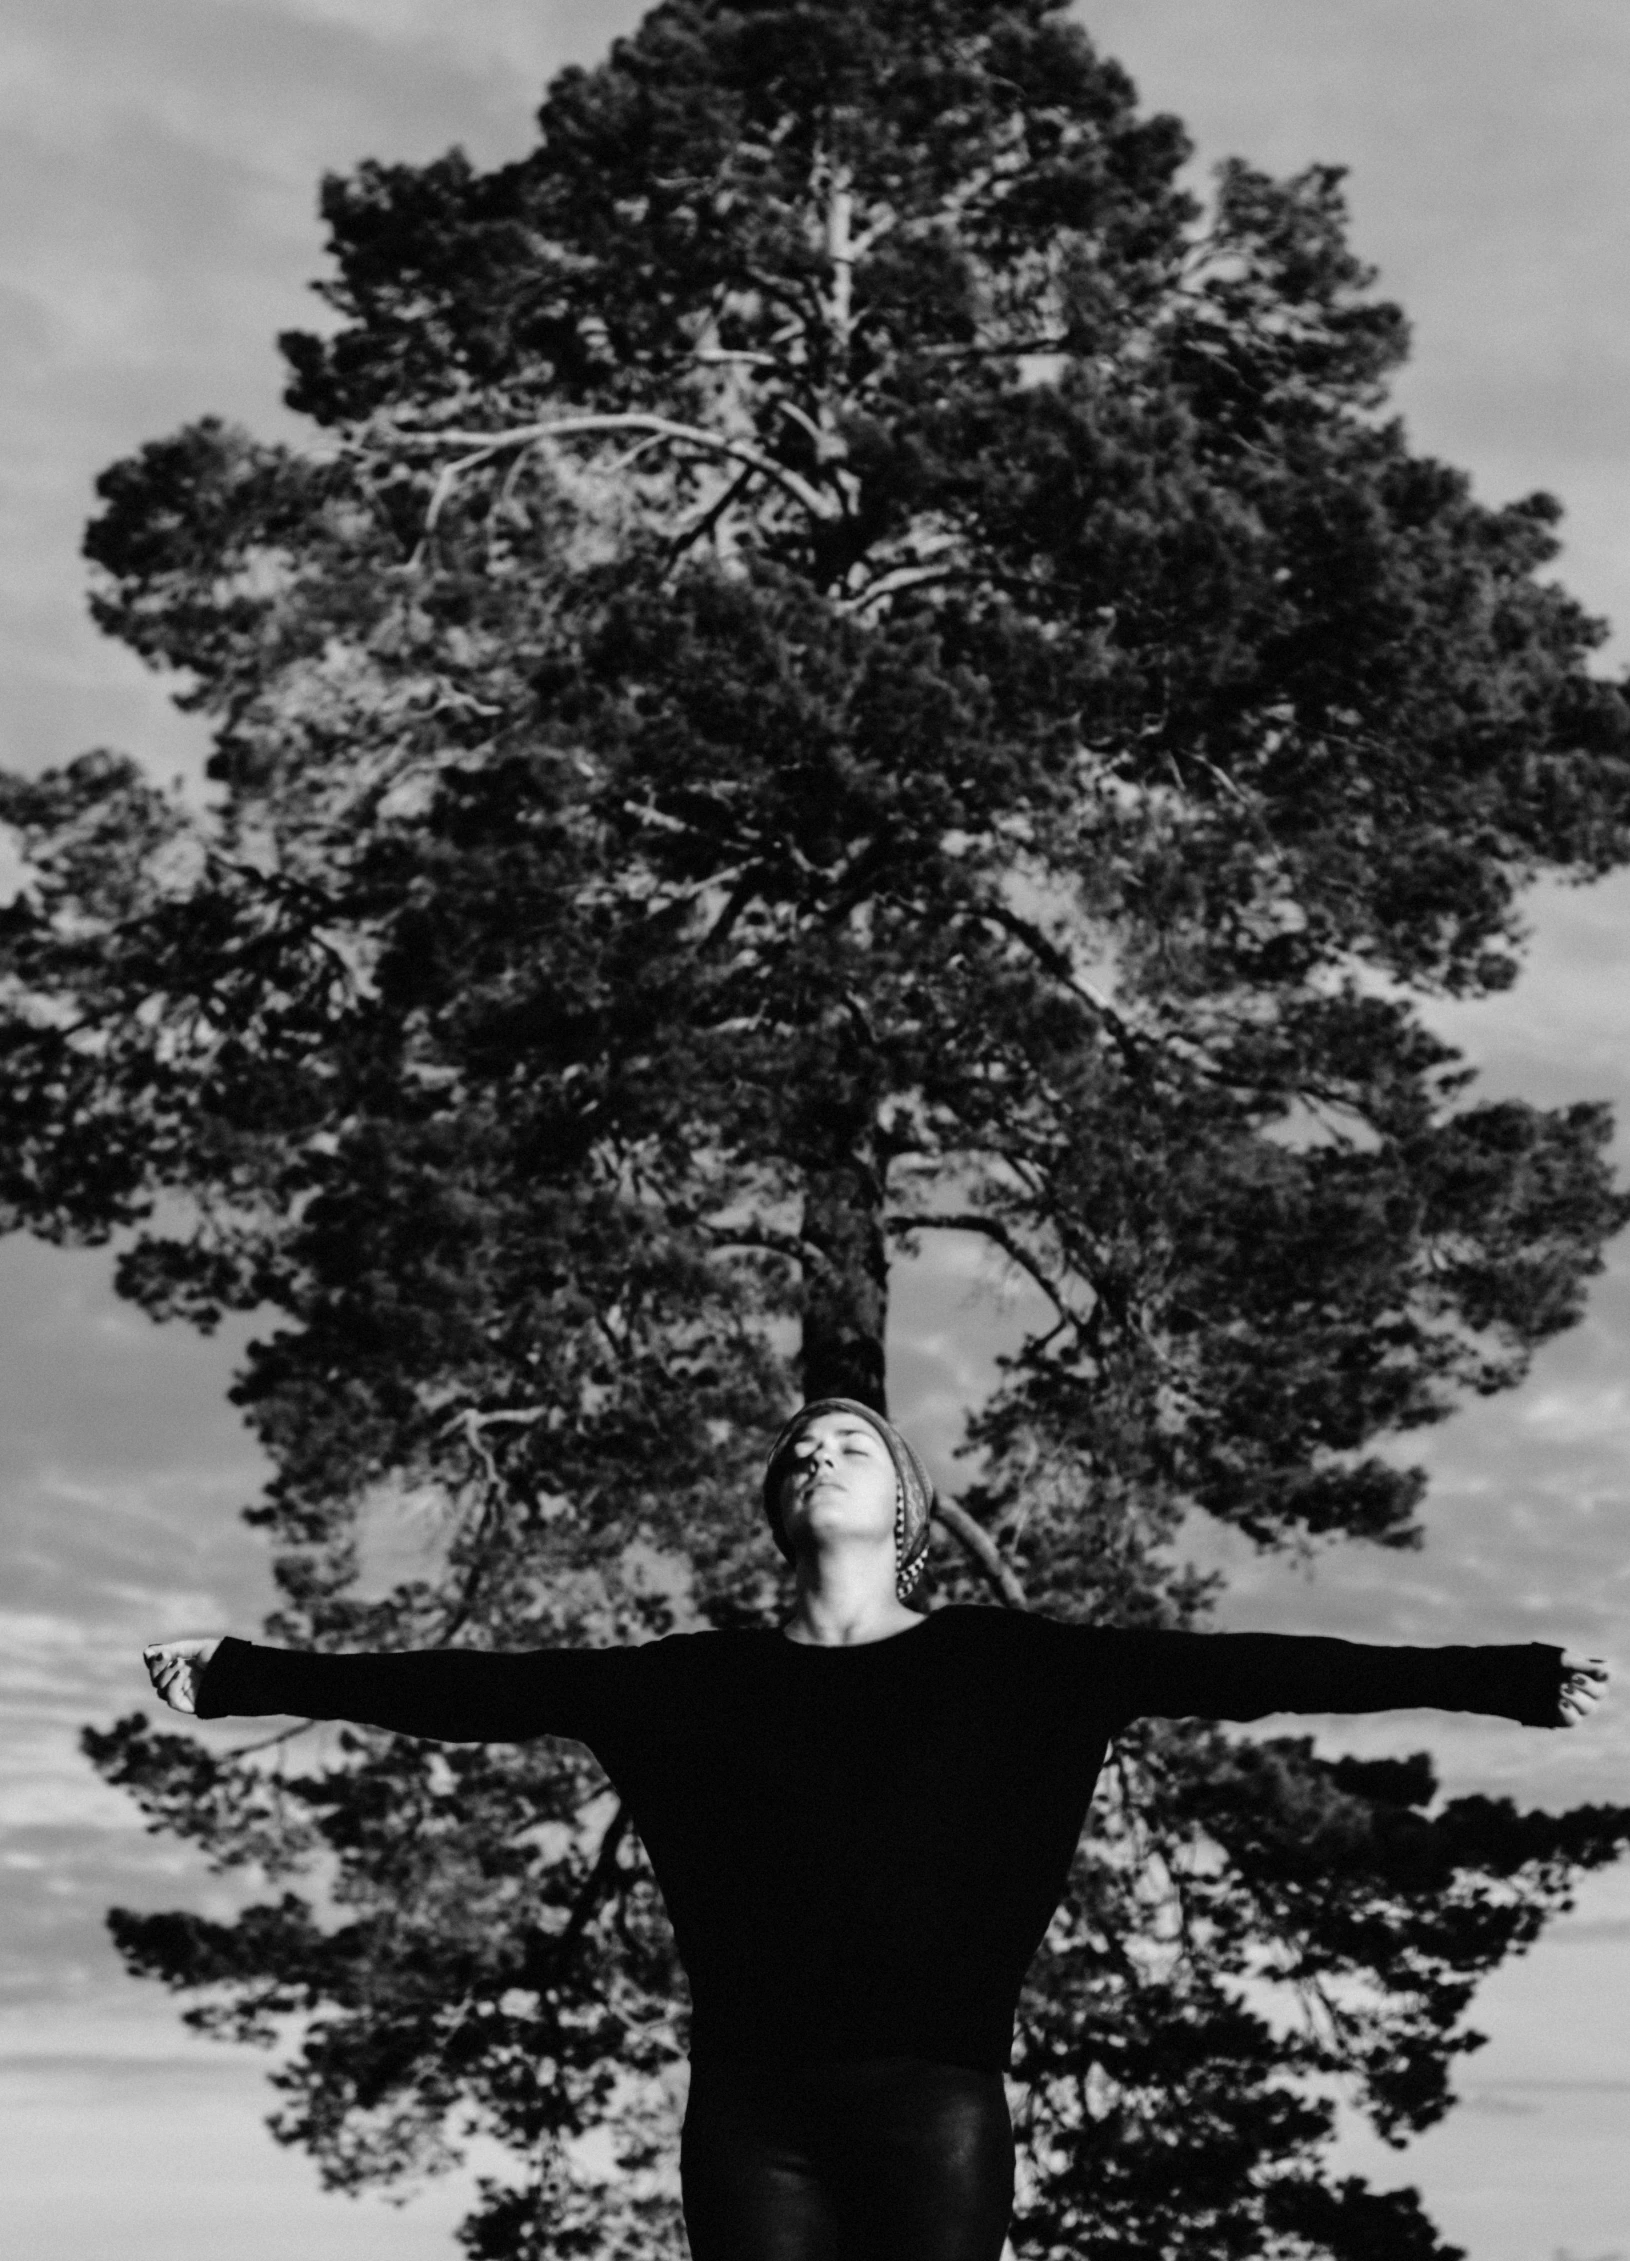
pixel 174 1682
pixel 1584 1680
pixel 1581 1692
pixel 1589 1667
pixel 174 1667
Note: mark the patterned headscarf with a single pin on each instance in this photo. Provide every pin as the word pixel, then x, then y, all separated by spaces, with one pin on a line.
pixel 915 1497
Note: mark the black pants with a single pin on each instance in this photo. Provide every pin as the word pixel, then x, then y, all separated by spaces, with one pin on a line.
pixel 893 2159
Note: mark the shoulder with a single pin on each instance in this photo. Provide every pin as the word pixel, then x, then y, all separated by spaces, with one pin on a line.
pixel 1023 1639
pixel 990 1629
pixel 693 1656
pixel 638 1678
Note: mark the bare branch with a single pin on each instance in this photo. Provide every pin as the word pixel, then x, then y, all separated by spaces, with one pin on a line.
pixel 447 479
pixel 976 1541
pixel 1058 963
pixel 902 577
pixel 991 349
pixel 482 445
pixel 840 213
pixel 270 1742
pixel 971 1221
pixel 806 423
pixel 549 1965
pixel 701 526
pixel 471 1426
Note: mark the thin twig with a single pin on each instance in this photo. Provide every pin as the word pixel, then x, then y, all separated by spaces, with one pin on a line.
pixel 970 1221
pixel 270 1742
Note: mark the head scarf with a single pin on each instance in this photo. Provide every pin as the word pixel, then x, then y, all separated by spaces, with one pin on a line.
pixel 915 1497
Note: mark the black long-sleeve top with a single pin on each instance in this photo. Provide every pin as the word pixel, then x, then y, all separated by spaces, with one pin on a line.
pixel 860 1848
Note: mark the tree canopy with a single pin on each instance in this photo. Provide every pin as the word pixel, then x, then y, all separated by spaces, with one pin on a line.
pixel 846 662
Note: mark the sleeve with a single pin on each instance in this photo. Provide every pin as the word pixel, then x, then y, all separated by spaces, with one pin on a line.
pixel 1241 1676
pixel 452 1695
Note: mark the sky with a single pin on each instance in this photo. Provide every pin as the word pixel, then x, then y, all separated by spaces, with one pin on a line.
pixel 158 169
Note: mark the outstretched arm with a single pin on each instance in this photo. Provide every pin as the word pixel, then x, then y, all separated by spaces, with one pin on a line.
pixel 1243 1676
pixel 452 1695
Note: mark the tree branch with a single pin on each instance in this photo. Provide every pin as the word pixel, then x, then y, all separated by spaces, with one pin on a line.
pixel 840 213
pixel 971 1221
pixel 469 1424
pixel 713 355
pixel 1057 962
pixel 482 445
pixel 270 1742
pixel 551 1963
pixel 447 479
pixel 901 577
pixel 699 527
pixel 791 1245
pixel 976 1541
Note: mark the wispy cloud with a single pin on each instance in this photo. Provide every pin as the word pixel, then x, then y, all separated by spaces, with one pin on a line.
pixel 158 173
pixel 153 2154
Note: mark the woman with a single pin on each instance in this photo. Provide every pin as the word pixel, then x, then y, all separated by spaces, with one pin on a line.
pixel 861 1823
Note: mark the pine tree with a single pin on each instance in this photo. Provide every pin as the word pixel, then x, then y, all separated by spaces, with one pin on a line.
pixel 845 663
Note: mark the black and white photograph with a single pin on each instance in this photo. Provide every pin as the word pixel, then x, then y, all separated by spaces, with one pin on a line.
pixel 814 1062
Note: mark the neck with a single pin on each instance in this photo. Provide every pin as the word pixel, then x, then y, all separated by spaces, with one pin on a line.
pixel 846 1595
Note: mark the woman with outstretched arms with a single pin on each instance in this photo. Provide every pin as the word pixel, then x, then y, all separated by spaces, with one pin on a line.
pixel 861 1823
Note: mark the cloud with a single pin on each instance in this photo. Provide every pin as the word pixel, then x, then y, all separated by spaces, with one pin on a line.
pixel 159 165
pixel 180 2164
pixel 121 1470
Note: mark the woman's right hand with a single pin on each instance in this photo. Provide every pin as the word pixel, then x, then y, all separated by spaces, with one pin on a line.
pixel 176 1668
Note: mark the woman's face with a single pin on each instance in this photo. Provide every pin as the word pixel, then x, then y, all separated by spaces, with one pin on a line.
pixel 840 1483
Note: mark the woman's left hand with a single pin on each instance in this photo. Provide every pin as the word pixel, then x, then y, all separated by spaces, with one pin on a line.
pixel 1583 1680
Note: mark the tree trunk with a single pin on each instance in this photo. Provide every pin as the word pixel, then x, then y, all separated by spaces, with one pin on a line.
pixel 846 1290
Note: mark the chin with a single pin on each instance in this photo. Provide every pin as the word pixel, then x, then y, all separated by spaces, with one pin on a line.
pixel 841 1519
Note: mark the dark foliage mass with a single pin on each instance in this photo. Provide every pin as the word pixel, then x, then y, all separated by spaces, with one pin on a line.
pixel 844 664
